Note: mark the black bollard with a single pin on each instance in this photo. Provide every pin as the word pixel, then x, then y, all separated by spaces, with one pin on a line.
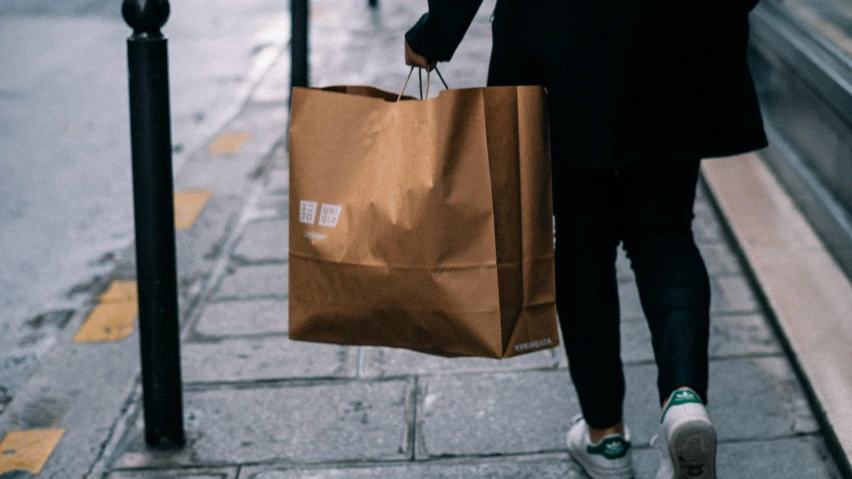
pixel 373 3
pixel 153 198
pixel 299 42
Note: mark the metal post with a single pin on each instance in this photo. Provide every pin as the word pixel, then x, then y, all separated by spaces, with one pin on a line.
pixel 299 42
pixel 153 198
pixel 373 3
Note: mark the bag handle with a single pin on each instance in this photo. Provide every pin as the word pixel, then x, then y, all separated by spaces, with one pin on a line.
pixel 428 81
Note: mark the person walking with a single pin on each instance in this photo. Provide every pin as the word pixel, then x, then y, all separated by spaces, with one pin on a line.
pixel 638 92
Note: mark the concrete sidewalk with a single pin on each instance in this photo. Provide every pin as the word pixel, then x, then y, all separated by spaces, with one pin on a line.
pixel 260 406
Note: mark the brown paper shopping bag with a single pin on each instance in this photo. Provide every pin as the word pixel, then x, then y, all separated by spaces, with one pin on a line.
pixel 424 225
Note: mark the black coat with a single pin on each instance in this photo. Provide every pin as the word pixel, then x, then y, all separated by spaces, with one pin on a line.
pixel 628 81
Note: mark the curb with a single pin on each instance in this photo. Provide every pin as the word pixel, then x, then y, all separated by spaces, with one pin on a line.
pixel 808 297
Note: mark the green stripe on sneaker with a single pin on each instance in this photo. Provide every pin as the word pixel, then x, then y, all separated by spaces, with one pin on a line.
pixel 682 396
pixel 610 448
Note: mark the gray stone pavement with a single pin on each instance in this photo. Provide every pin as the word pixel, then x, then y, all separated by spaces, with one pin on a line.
pixel 259 406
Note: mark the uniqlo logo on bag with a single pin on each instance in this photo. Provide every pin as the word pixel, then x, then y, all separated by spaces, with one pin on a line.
pixel 307 212
pixel 330 215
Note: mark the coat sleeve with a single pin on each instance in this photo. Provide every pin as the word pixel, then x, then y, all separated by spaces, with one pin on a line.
pixel 439 32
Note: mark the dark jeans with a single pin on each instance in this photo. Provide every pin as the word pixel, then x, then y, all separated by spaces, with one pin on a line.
pixel 649 208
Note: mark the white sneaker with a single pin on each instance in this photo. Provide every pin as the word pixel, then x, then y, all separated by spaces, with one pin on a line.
pixel 687 439
pixel 610 458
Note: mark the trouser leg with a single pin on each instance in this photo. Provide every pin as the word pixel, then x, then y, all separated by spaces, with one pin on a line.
pixel 586 241
pixel 587 292
pixel 672 279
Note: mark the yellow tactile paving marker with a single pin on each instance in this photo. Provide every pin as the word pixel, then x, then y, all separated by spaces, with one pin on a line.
pixel 114 318
pixel 188 205
pixel 120 291
pixel 229 142
pixel 28 450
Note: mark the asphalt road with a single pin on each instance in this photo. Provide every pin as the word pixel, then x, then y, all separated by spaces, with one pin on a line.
pixel 65 177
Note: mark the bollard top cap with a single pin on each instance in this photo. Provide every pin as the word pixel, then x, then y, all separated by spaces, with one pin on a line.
pixel 146 16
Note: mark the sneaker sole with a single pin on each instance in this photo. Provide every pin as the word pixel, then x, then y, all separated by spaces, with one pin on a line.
pixel 692 446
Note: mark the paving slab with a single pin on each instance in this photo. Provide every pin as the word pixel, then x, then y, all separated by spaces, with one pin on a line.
pixel 495 413
pixel 200 245
pixel 226 176
pixel 623 271
pixel 794 458
pixel 81 388
pixel 551 466
pixel 628 300
pixel 351 421
pixel 280 157
pixel 278 181
pixel 267 123
pixel 750 399
pixel 720 259
pixel 732 294
pixel 739 335
pixel 274 206
pixel 243 318
pixel 226 473
pixel 255 282
pixel 706 225
pixel 381 362
pixel 734 335
pixel 276 86
pixel 263 241
pixel 700 192
pixel 258 359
